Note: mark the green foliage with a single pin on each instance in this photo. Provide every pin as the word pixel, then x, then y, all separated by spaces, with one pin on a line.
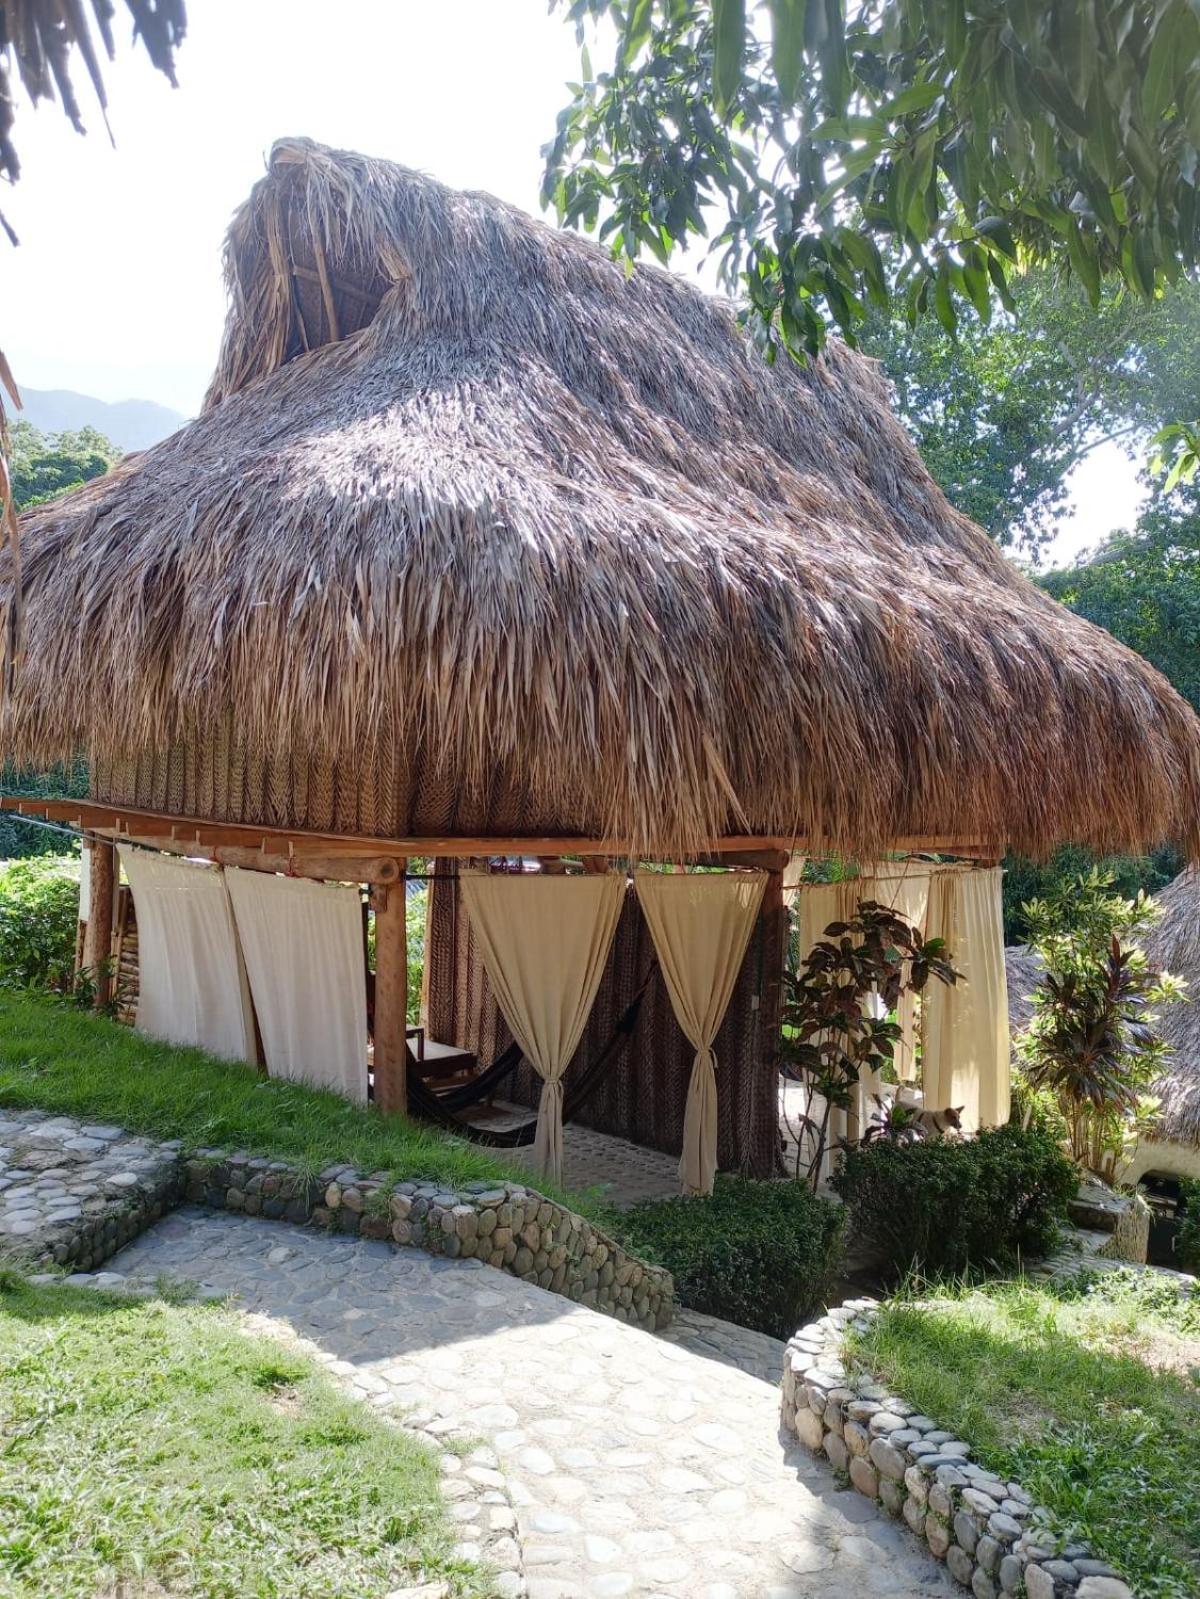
pixel 18 837
pixel 57 1058
pixel 44 465
pixel 154 1447
pixel 1131 875
pixel 1187 1239
pixel 1091 1041
pixel 39 914
pixel 759 1254
pixel 913 150
pixel 1052 1385
pixel 1005 409
pixel 1144 588
pixel 945 1206
pixel 831 1027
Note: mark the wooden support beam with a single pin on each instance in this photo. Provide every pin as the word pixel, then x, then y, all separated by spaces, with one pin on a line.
pixel 391 998
pixel 98 940
pixel 129 821
pixel 325 868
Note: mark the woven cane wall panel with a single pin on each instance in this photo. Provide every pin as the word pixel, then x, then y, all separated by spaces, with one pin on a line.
pixel 385 790
pixel 643 1095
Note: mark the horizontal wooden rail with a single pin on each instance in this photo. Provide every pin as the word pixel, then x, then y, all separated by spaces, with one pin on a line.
pixel 157 827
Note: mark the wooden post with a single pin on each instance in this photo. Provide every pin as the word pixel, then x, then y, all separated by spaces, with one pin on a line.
pixel 391 996
pixel 97 944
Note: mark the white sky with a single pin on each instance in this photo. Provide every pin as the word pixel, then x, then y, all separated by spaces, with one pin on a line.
pixel 115 290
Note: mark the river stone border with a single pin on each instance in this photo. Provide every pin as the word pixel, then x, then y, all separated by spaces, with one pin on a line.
pixel 503 1224
pixel 73 1193
pixel 992 1537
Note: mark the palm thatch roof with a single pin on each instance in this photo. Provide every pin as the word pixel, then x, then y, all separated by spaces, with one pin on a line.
pixel 1173 945
pixel 42 36
pixel 466 491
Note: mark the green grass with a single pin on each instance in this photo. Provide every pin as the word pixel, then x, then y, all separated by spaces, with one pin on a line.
pixel 151 1448
pixel 57 1058
pixel 1053 1386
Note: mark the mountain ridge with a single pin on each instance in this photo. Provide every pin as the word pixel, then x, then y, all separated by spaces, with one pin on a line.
pixel 130 424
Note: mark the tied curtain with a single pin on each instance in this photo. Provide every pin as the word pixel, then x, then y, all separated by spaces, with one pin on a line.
pixel 966 1034
pixel 191 981
pixel 700 923
pixel 905 890
pixel 817 905
pixel 544 942
pixel 303 946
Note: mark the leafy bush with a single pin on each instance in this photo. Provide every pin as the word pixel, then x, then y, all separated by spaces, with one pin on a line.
pixel 1187 1239
pixel 757 1253
pixel 944 1206
pixel 39 910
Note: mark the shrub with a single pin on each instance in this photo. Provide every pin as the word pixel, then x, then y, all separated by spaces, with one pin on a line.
pixel 39 911
pixel 1187 1239
pixel 944 1207
pixel 757 1253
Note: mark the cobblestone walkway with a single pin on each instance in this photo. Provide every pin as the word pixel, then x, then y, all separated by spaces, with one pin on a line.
pixel 638 1464
pixel 63 1180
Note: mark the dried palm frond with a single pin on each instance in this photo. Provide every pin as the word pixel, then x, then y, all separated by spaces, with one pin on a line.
pixel 40 36
pixel 559 552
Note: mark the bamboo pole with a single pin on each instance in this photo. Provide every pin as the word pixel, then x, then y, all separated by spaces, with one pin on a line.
pixel 391 997
pixel 97 943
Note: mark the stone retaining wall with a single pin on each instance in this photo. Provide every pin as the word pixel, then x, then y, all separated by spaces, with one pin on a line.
pixel 994 1540
pixel 74 1193
pixel 504 1224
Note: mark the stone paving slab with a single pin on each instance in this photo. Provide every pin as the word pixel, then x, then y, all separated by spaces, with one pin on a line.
pixel 637 1464
pixel 71 1190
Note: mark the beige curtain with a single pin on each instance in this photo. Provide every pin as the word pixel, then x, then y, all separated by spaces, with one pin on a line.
pixel 303 944
pixel 191 981
pixel 700 923
pixel 966 1040
pixel 85 882
pixel 904 889
pixel 544 943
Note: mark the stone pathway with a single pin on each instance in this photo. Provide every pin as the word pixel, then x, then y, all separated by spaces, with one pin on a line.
pixel 625 1173
pixel 639 1465
pixel 64 1183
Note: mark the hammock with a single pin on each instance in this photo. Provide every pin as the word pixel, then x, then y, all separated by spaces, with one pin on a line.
pixel 429 1106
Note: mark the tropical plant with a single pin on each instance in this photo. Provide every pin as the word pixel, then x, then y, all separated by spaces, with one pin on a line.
pixel 836 1014
pixel 917 150
pixel 1091 1041
pixel 946 1206
pixel 1187 1238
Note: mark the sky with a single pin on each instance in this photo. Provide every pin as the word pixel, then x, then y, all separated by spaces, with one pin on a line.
pixel 116 289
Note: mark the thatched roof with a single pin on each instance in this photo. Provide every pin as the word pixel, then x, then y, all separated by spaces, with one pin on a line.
pixel 1173 945
pixel 547 527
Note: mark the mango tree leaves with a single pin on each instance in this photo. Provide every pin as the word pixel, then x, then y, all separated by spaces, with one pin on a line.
pixel 952 142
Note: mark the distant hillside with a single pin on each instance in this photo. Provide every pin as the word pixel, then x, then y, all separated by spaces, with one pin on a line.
pixel 132 424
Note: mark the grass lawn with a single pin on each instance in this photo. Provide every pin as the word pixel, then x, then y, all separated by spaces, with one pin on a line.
pixel 1088 1393
pixel 57 1058
pixel 150 1448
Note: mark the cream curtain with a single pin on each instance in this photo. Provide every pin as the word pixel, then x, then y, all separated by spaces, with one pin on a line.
pixel 966 1039
pixel 905 890
pixel 191 981
pixel 544 943
pixel 700 923
pixel 303 944
pixel 85 882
